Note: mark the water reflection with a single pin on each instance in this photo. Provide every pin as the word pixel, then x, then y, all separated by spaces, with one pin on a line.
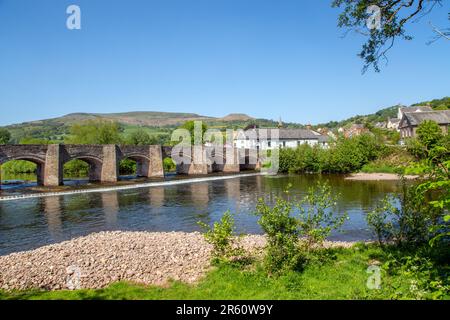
pixel 52 210
pixel 31 223
pixel 110 203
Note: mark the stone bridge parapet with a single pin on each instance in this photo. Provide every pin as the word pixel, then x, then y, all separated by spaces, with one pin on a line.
pixel 103 160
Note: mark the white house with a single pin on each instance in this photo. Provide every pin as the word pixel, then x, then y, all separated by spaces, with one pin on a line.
pixel 267 139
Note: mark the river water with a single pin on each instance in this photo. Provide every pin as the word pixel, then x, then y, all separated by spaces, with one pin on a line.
pixel 30 223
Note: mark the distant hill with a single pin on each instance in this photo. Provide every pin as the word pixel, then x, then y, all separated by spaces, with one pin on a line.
pixel 139 118
pixel 153 121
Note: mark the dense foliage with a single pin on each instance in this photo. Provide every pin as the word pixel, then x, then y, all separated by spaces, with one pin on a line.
pixel 436 104
pixel 5 136
pixel 342 156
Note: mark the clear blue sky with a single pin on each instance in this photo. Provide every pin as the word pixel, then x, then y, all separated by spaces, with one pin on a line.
pixel 266 58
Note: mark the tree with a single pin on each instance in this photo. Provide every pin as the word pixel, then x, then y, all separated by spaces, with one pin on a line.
pixel 429 134
pixel 95 132
pixel 140 138
pixel 394 16
pixel 5 136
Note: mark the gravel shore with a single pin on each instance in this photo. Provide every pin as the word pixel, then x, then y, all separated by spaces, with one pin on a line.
pixel 99 259
pixel 377 176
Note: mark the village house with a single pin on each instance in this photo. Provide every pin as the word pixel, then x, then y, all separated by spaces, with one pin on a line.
pixel 268 139
pixel 411 120
pixel 394 123
pixel 402 110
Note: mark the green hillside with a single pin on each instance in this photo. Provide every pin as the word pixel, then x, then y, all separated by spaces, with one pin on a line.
pixel 383 114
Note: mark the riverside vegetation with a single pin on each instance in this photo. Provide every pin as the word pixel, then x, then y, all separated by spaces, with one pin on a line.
pixel 296 262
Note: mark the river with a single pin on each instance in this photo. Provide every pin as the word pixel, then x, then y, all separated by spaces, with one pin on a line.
pixel 30 223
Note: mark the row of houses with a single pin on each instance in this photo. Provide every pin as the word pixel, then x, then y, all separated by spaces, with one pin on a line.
pixel 269 139
pixel 407 121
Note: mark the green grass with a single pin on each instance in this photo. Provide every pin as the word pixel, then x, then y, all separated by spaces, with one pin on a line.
pixel 343 275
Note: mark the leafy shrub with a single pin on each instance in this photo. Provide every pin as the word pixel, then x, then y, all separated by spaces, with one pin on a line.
pixel 221 236
pixel 281 229
pixel 317 218
pixel 314 221
pixel 380 220
pixel 410 224
pixel 419 276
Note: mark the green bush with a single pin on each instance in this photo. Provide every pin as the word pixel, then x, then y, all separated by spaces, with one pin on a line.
pixel 281 229
pixel 316 215
pixel 314 221
pixel 419 277
pixel 380 221
pixel 410 223
pixel 221 236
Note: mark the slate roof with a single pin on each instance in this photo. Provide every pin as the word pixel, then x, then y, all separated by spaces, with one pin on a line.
pixel 289 134
pixel 415 118
pixel 416 109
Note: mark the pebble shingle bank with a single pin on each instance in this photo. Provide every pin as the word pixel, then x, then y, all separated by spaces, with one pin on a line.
pixel 99 259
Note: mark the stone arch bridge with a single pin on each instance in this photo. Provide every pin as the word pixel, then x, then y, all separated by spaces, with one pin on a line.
pixel 103 160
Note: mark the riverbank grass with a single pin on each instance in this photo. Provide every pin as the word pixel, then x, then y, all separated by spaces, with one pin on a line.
pixel 343 275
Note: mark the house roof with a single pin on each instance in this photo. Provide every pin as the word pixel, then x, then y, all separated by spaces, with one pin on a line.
pixel 286 134
pixel 415 118
pixel 416 109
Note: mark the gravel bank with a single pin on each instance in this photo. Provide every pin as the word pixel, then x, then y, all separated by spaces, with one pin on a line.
pixel 97 260
pixel 376 176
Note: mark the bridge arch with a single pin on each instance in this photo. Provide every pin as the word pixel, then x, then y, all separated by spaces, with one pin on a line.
pixel 142 163
pixel 40 165
pixel 95 165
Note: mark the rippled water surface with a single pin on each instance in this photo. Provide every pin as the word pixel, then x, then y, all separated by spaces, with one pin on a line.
pixel 31 223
